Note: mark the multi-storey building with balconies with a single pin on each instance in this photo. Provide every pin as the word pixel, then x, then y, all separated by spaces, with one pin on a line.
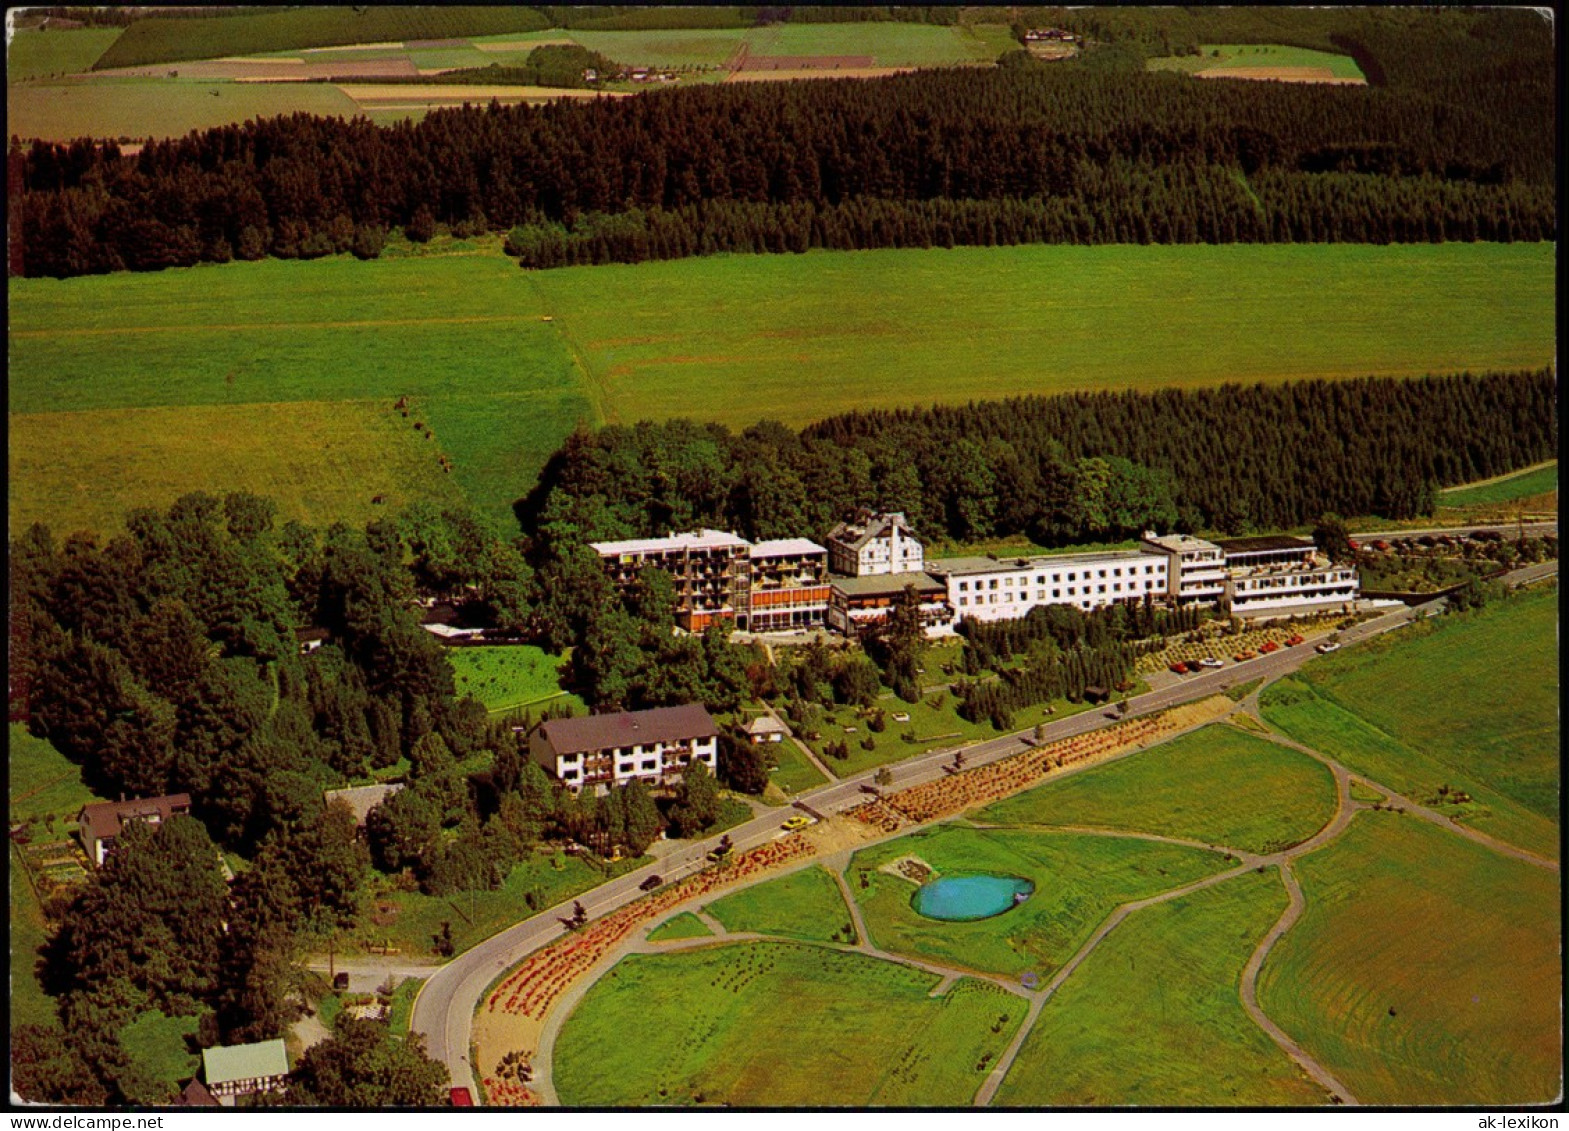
pixel 789 585
pixel 873 544
pixel 601 751
pixel 1279 572
pixel 1195 569
pixel 711 571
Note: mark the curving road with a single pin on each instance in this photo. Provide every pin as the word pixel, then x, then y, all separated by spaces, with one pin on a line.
pixel 444 1009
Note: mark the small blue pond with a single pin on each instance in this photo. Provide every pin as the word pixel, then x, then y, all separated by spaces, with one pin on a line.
pixel 961 898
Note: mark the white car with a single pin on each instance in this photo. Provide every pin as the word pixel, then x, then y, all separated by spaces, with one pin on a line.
pixel 1326 648
pixel 1210 662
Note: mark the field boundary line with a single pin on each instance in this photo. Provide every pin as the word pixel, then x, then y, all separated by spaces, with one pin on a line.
pixel 1517 473
pixel 1247 991
pixel 594 387
pixel 217 327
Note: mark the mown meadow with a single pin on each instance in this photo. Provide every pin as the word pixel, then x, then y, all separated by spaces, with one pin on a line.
pixel 499 364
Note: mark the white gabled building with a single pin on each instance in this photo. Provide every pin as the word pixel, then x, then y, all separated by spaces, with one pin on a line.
pixel 873 544
pixel 995 588
pixel 600 751
pixel 1195 569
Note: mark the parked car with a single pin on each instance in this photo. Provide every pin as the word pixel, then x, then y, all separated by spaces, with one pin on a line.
pixel 1269 646
pixel 796 823
pixel 651 883
pixel 1180 668
pixel 340 981
pixel 1241 656
pixel 1327 647
pixel 1294 641
pixel 1210 662
pixel 460 1097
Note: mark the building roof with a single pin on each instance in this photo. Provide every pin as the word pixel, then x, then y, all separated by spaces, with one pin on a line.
pixel 226 1064
pixel 362 798
pixel 786 548
pixel 956 567
pixel 196 1094
pixel 888 583
pixel 693 540
pixel 306 635
pixel 766 724
pixel 104 818
pixel 628 728
pixel 1178 542
pixel 866 526
pixel 1264 544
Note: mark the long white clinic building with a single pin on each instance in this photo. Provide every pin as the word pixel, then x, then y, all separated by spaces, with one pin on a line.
pixel 995 588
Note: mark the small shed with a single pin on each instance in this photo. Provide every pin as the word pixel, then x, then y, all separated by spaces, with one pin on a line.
pixel 766 728
pixel 195 1094
pixel 1096 694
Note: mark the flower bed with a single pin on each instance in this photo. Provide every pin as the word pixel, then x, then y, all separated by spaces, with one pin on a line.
pixel 541 978
pixel 970 788
pixel 506 1093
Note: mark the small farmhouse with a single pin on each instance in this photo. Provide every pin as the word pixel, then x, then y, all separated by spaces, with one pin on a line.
pixel 101 823
pixel 245 1070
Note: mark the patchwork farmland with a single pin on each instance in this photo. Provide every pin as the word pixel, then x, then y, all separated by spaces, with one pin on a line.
pixel 501 364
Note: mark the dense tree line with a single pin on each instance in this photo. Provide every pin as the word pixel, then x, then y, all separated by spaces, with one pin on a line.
pixel 1044 677
pixel 1064 469
pixel 962 155
pixel 553 64
pixel 1064 628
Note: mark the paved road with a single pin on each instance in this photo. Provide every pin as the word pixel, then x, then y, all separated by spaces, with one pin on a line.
pixel 1532 529
pixel 444 1010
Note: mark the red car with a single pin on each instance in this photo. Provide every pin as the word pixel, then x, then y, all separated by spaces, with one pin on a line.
pixel 1180 668
pixel 1294 641
pixel 1269 646
pixel 460 1097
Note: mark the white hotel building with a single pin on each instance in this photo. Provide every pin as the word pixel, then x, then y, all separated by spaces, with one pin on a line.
pixel 1277 572
pixel 994 588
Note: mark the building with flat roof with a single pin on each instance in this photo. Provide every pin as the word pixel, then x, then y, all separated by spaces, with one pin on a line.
pixel 245 1070
pixel 995 588
pixel 788 587
pixel 859 603
pixel 711 571
pixel 1281 571
pixel 101 823
pixel 1195 569
pixel 871 544
pixel 601 751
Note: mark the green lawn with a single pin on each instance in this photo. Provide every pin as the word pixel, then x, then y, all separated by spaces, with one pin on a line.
pixel 156 1045
pixel 510 677
pixel 795 774
pixel 402 1011
pixel 461 335
pixel 29 1004
pixel 1534 481
pixel 779 1025
pixel 40 780
pixel 886 329
pixel 476 916
pixel 1153 1017
pixel 1216 55
pixel 1217 785
pixel 1425 969
pixel 803 905
pixel 35 54
pixel 1467 702
pixel 1079 880
pixel 682 926
pixel 140 108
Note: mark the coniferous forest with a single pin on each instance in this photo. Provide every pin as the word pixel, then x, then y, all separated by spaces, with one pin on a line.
pixel 1454 140
pixel 1065 469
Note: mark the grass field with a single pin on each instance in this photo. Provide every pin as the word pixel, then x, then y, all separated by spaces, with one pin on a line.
pixel 506 678
pixel 1493 679
pixel 320 461
pixel 1425 969
pixel 1152 1017
pixel 682 926
pixel 401 1012
pixel 41 782
pixel 35 54
pixel 1216 785
pixel 1225 55
pixel 461 334
pixel 29 1004
pixel 796 772
pixel 1533 481
pixel 139 108
pixel 884 329
pixel 803 905
pixel 478 915
pixel 779 1025
pixel 1079 879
